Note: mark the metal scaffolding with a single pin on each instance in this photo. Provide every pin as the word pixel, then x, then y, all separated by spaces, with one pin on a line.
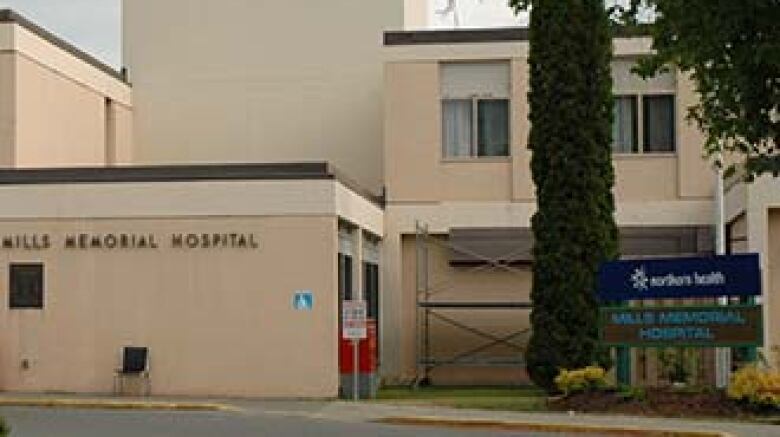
pixel 430 309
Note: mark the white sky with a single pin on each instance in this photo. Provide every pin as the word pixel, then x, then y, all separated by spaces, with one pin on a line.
pixel 91 25
pixel 94 25
pixel 474 13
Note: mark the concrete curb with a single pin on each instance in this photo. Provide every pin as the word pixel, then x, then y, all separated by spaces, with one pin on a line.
pixel 545 427
pixel 111 404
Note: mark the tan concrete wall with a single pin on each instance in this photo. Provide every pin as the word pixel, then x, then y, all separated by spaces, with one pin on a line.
pixel 640 178
pixel 651 190
pixel 119 141
pixel 54 111
pixel 416 14
pixel 217 321
pixel 58 122
pixel 462 284
pixel 325 197
pixel 14 37
pixel 414 167
pixel 7 109
pixel 696 174
pixel 523 189
pixel 773 277
pixel 739 234
pixel 260 81
pixel 415 172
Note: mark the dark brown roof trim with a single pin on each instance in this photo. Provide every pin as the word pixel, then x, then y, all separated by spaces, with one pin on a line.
pixel 482 35
pixel 181 173
pixel 501 34
pixel 9 16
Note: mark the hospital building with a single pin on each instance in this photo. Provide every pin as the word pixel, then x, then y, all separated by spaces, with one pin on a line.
pixel 249 153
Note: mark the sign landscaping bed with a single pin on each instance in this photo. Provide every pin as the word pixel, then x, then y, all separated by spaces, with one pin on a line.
pixel 661 402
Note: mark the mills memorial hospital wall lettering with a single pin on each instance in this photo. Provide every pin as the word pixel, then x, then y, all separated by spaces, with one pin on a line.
pixel 126 241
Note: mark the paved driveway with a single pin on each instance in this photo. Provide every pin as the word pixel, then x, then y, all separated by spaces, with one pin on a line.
pixel 40 422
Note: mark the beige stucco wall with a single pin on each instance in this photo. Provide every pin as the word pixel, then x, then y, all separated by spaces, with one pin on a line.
pixel 773 274
pixel 752 209
pixel 120 138
pixel 651 190
pixel 461 284
pixel 696 177
pixel 84 201
pixel 416 172
pixel 414 167
pixel 54 110
pixel 416 14
pixel 260 81
pixel 217 321
pixel 58 122
pixel 7 109
pixel 739 234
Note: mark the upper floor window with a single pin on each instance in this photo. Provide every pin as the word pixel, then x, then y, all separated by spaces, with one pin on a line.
pixel 658 131
pixel 475 109
pixel 625 128
pixel 658 116
pixel 644 111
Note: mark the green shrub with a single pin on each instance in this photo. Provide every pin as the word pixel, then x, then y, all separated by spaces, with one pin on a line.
pixel 677 364
pixel 631 393
pixel 571 110
pixel 5 430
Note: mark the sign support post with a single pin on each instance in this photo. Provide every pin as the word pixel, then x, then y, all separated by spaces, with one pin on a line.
pixel 355 369
pixel 354 315
pixel 722 354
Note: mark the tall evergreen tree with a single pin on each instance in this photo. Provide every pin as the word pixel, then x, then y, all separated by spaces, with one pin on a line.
pixel 574 229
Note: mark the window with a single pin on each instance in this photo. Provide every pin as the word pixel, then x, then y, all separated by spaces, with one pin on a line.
pixel 475 109
pixel 644 109
pixel 457 116
pixel 493 127
pixel 625 138
pixel 658 123
pixel 25 286
pixel 345 263
pixel 657 115
pixel 345 277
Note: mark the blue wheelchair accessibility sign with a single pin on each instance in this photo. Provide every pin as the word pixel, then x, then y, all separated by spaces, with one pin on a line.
pixel 303 301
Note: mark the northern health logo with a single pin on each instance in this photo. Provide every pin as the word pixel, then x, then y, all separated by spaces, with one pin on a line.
pixel 640 280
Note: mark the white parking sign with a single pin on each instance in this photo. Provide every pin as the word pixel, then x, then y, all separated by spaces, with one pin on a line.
pixel 353 317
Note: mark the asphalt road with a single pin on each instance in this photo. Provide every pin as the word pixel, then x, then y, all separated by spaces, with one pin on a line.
pixel 41 422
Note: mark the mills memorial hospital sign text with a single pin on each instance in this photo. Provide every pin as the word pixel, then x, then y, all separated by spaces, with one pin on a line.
pixel 121 241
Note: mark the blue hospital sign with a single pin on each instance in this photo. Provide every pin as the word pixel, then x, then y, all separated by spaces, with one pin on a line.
pixel 303 301
pixel 670 278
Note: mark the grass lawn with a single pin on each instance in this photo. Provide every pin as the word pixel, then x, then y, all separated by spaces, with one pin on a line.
pixel 483 398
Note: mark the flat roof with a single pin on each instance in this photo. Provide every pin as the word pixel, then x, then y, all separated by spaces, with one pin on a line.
pixel 481 35
pixel 182 173
pixel 10 16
